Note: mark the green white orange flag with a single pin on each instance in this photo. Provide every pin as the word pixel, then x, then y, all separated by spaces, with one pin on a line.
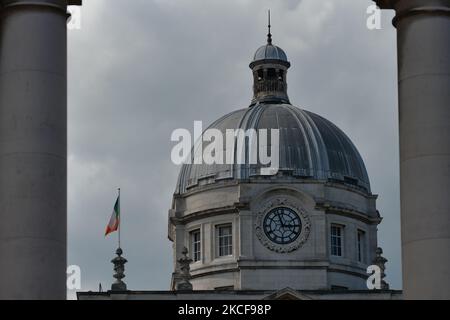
pixel 114 222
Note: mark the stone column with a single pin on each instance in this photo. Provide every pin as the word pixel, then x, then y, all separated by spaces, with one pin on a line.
pixel 423 31
pixel 33 148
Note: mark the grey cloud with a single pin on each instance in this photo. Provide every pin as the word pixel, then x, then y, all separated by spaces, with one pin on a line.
pixel 140 69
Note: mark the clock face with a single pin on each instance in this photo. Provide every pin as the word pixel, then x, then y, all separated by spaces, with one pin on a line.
pixel 282 225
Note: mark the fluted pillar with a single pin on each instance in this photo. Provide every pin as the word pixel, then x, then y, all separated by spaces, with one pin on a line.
pixel 423 32
pixel 33 148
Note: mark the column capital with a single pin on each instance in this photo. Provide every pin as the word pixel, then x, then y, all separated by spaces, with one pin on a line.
pixel 60 4
pixel 408 8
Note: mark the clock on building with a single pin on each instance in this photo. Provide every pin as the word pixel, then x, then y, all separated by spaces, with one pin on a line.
pixel 282 225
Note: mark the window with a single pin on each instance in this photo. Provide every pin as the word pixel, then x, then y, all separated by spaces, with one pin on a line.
pixel 337 234
pixel 361 239
pixel 196 247
pixel 260 75
pixel 224 240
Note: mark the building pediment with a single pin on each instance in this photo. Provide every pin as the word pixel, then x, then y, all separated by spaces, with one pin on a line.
pixel 287 294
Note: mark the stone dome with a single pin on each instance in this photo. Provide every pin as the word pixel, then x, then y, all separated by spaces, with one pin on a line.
pixel 311 149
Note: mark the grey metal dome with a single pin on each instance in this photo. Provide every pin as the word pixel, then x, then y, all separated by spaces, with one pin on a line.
pixel 311 148
pixel 270 52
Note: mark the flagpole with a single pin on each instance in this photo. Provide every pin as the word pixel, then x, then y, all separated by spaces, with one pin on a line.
pixel 120 218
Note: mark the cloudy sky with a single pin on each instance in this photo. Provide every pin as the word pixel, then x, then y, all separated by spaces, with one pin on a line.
pixel 140 69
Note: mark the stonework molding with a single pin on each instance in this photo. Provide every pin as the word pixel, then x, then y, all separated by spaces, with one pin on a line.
pixel 409 8
pixel 207 213
pixel 333 208
pixel 55 4
pixel 273 203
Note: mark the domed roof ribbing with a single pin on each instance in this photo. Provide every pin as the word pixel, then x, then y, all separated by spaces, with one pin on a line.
pixel 311 148
pixel 270 52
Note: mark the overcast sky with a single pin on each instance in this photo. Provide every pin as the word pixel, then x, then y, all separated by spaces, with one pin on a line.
pixel 140 69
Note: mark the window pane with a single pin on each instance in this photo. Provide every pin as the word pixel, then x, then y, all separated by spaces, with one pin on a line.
pixel 225 240
pixel 196 245
pixel 361 245
pixel 336 240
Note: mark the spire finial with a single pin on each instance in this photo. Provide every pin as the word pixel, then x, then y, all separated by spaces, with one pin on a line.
pixel 269 35
pixel 119 269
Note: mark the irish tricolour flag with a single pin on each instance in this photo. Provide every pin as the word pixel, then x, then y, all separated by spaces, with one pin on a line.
pixel 114 222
